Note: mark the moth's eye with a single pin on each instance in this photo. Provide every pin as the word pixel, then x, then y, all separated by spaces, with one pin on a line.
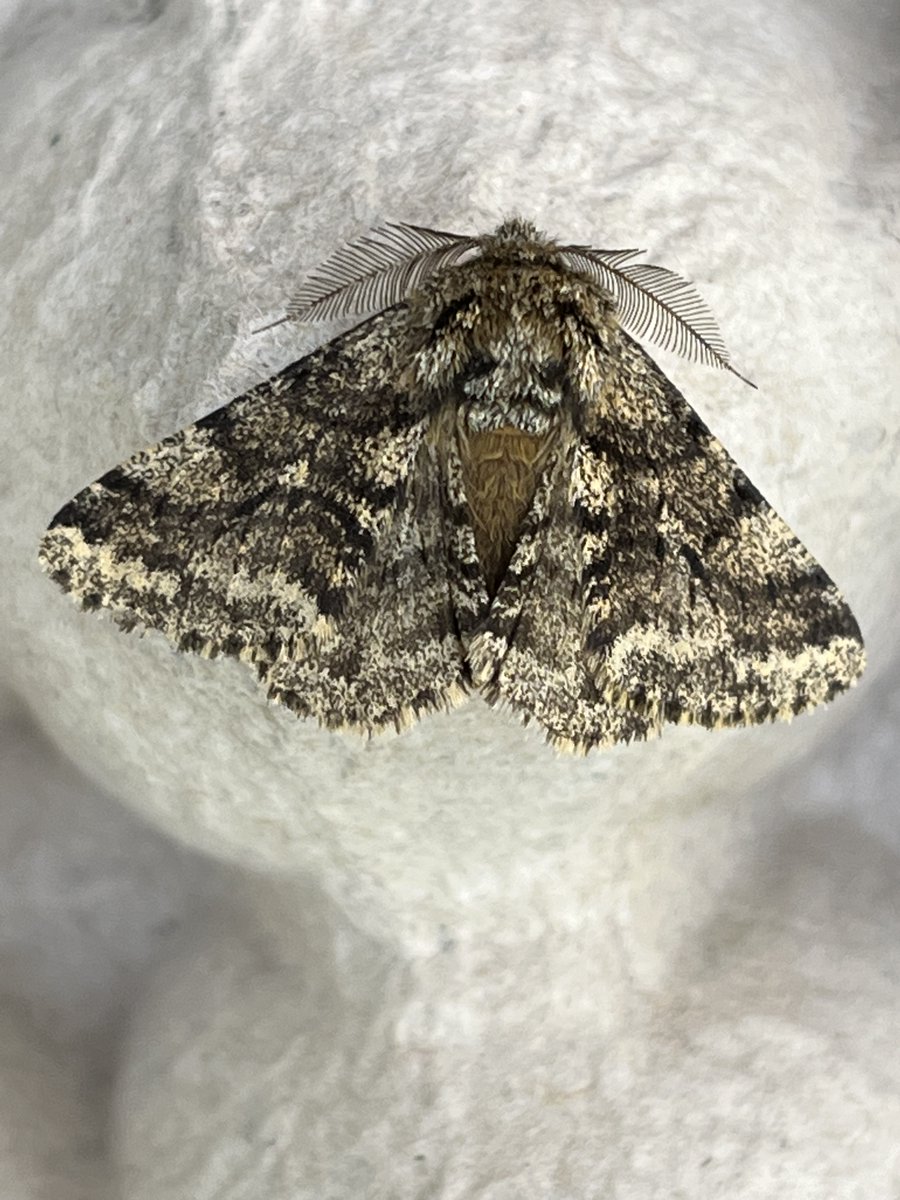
pixel 477 367
pixel 552 372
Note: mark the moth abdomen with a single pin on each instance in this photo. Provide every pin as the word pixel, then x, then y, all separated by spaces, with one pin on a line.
pixel 500 469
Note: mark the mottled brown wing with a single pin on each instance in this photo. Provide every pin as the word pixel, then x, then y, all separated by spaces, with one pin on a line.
pixel 525 650
pixel 277 525
pixel 701 604
pixel 395 651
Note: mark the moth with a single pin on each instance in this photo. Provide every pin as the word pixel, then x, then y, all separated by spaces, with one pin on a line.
pixel 488 486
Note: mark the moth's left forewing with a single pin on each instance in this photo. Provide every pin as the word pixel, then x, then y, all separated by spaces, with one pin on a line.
pixel 700 603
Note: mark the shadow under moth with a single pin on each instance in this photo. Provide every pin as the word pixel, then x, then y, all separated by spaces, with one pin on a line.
pixel 487 486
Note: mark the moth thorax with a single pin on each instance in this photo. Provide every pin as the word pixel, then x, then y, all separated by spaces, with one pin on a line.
pixel 501 469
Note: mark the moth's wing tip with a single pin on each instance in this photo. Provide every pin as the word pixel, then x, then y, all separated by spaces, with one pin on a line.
pixel 56 551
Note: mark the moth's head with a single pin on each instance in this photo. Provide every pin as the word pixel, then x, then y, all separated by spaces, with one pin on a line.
pixel 513 298
pixel 516 240
pixel 507 333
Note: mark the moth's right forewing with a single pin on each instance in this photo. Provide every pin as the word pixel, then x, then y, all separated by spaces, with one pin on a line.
pixel 395 651
pixel 527 652
pixel 246 532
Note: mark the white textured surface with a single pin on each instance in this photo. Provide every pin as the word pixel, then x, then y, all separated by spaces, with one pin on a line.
pixel 670 967
pixel 50 1120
